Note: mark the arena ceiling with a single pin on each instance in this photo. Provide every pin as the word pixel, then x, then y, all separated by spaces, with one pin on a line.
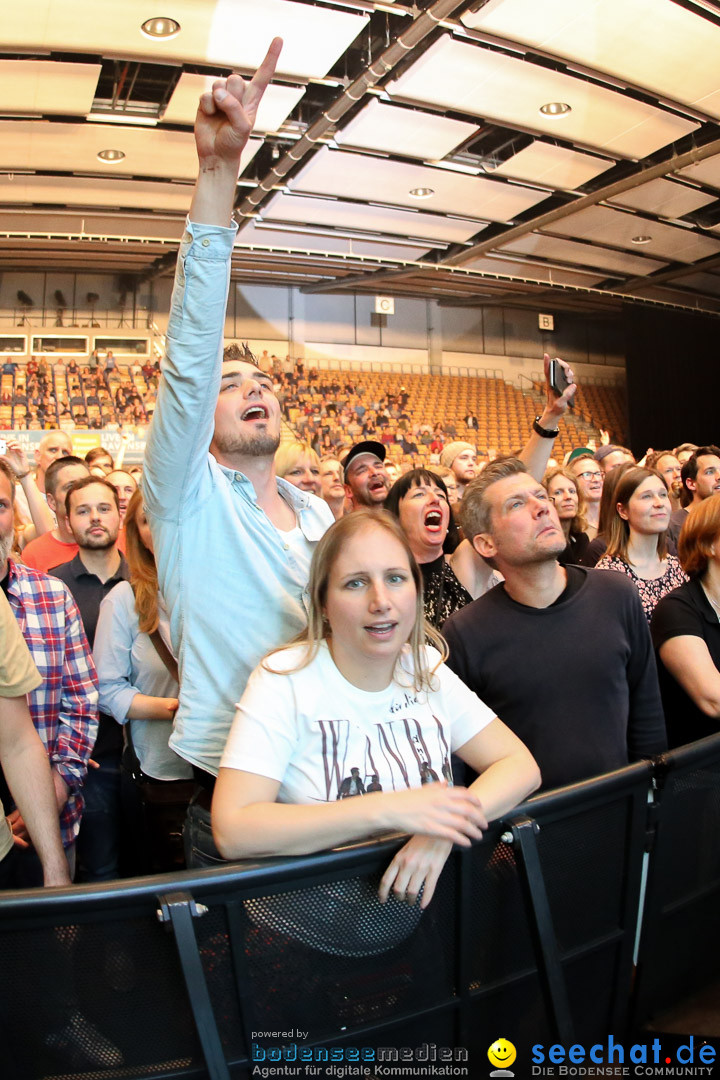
pixel 537 153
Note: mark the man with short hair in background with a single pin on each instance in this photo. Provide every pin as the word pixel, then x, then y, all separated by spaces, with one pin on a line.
pixel 58 545
pixel 700 476
pixel 589 478
pixel 53 445
pixel 93 514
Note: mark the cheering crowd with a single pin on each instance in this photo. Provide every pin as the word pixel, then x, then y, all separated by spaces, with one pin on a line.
pixel 276 651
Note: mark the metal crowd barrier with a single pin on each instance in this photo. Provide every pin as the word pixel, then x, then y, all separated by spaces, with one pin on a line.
pixel 531 932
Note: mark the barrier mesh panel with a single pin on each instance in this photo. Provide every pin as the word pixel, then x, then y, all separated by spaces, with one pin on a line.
pixel 583 860
pixel 103 997
pixel 331 957
pixel 499 944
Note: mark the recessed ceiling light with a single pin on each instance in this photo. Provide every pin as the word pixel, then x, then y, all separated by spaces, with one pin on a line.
pixel 555 108
pixel 643 238
pixel 160 28
pixel 421 192
pixel 111 155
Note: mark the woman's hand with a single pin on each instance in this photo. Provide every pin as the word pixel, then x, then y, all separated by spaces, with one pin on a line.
pixel 416 866
pixel 435 810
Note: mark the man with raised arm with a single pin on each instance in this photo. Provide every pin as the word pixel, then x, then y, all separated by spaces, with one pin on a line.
pixel 233 542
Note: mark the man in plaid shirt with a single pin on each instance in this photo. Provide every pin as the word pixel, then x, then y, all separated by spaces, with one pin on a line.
pixel 64 707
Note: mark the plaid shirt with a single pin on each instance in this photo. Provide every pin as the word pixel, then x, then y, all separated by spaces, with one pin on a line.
pixel 64 708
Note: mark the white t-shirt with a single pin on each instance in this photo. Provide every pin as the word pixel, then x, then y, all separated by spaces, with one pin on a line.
pixel 323 738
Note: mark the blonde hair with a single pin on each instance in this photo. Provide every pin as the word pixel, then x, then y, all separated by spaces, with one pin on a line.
pixel 324 559
pixel 289 454
pixel 143 572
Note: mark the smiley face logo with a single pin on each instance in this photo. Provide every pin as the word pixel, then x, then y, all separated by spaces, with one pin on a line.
pixel 502 1053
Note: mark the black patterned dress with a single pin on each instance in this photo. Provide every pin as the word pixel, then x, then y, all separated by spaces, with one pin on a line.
pixel 443 593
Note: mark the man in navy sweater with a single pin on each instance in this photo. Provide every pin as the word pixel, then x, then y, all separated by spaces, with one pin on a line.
pixel 562 654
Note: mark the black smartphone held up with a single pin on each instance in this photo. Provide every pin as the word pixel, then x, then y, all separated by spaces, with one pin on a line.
pixel 558 380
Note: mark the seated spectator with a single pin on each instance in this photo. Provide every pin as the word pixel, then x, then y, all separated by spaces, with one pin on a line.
pixel 299 465
pixel 359 672
pixel 686 631
pixel 563 493
pixel 637 537
pixel 604 708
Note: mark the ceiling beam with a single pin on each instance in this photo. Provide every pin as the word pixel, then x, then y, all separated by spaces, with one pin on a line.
pixel 373 278
pixel 671 164
pixel 421 26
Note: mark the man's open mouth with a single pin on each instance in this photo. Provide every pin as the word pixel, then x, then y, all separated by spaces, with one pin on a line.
pixel 255 412
pixel 377 485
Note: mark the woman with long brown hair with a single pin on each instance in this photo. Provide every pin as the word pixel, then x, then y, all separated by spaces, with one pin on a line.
pixel 637 537
pixel 138 686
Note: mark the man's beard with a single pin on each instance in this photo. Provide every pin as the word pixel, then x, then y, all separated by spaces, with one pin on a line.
pixel 261 444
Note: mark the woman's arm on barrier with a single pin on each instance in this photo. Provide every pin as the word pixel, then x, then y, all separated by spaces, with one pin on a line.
pixel 248 822
pixel 509 773
pixel 688 660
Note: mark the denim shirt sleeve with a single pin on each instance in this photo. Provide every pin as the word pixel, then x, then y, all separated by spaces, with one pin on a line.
pixel 176 461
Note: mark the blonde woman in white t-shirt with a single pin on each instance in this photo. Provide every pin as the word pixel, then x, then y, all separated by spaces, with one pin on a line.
pixel 359 705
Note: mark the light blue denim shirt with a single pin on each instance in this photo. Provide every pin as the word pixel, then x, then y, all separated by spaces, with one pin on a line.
pixel 233 583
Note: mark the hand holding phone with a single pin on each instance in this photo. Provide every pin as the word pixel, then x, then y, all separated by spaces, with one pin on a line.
pixel 559 381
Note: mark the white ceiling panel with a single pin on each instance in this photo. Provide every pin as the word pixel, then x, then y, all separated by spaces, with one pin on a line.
pixel 652 43
pixel 250 235
pixel 358 176
pixel 533 271
pixel 46 86
pixel 608 226
pixel 555 166
pixel 277 102
pixel 36 144
pixel 704 172
pixel 470 79
pixel 553 247
pixel 81 191
pixel 404 131
pixel 664 198
pixel 346 215
pixel 230 33
pixel 147 227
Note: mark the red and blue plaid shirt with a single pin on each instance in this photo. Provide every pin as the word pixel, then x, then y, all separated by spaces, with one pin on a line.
pixel 64 707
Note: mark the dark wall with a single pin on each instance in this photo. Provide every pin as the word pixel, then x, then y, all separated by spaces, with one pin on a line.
pixel 672 391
